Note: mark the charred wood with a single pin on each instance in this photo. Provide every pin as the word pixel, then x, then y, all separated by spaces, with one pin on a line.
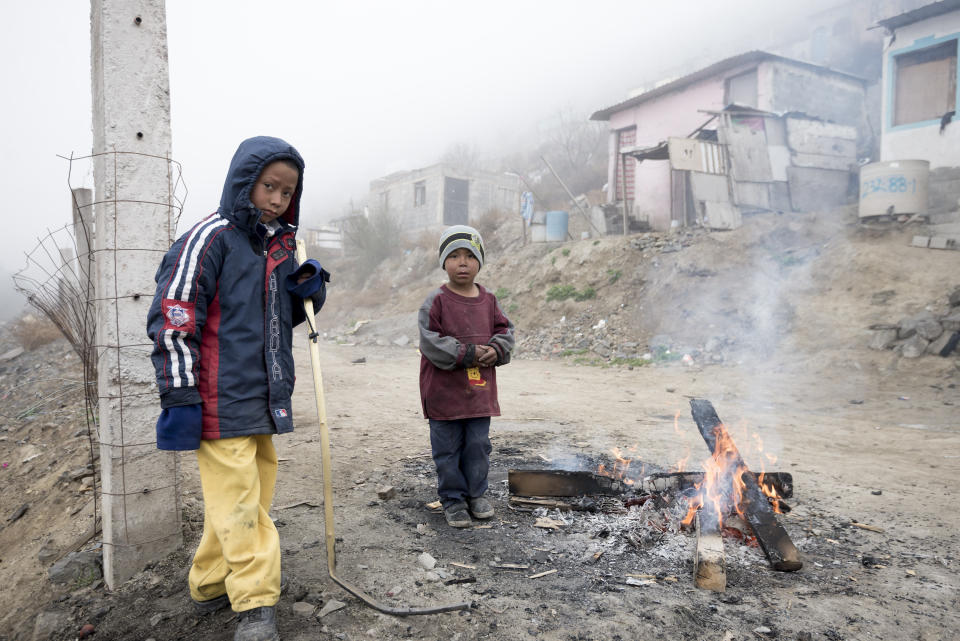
pixel 772 537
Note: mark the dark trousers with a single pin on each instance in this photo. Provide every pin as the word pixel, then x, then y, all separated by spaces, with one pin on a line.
pixel 461 452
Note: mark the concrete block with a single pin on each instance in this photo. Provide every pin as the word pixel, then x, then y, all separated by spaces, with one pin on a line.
pixel 943 242
pixel 920 241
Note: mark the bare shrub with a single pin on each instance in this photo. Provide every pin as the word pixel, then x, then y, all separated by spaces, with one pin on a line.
pixel 489 225
pixel 34 331
pixel 371 239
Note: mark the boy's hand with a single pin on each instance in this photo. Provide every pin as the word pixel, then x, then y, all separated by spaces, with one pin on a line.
pixel 486 356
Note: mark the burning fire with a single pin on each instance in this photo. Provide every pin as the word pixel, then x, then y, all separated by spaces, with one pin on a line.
pixel 722 487
pixel 621 465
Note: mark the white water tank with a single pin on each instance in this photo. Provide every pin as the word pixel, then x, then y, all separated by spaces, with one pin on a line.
pixel 894 187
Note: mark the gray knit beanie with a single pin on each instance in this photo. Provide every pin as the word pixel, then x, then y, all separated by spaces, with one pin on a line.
pixel 461 236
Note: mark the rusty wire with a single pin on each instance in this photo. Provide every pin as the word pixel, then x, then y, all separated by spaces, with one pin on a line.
pixel 59 281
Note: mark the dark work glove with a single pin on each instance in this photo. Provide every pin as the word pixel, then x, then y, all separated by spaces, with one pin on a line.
pixel 179 427
pixel 314 287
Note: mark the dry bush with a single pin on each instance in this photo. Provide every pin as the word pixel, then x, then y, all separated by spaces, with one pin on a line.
pixel 370 240
pixel 373 295
pixel 34 331
pixel 489 225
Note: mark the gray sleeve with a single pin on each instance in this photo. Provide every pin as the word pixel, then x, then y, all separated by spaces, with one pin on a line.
pixel 502 339
pixel 445 352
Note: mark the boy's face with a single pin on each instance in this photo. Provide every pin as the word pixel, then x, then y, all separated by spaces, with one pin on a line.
pixel 274 189
pixel 461 266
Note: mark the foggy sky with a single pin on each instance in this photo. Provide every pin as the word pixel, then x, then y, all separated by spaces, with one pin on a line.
pixel 362 89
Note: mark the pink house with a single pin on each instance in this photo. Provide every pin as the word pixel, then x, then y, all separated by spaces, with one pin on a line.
pixel 643 178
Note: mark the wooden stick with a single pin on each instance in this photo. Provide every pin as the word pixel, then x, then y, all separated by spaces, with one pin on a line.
pixel 776 543
pixel 709 562
pixel 540 574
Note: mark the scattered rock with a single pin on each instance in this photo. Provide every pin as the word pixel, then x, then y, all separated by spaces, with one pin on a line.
pixel 87 630
pixel 883 339
pixel 331 606
pixel 951 322
pixel 426 561
pixel 48 553
pixel 936 346
pixel 923 322
pixel 50 624
pixel 362 359
pixel 386 492
pixel 955 298
pixel 12 354
pixel 914 347
pixel 77 568
pixel 401 341
pixel 304 609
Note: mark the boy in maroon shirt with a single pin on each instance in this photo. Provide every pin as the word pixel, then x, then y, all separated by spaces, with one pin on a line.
pixel 464 335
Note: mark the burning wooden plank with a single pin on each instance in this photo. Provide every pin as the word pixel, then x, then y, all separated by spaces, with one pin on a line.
pixel 562 483
pixel 772 537
pixel 709 563
pixel 583 483
pixel 781 482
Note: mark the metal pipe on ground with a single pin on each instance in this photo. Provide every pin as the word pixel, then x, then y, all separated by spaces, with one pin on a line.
pixel 327 470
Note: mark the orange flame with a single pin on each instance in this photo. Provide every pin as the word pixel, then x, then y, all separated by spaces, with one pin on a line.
pixel 723 485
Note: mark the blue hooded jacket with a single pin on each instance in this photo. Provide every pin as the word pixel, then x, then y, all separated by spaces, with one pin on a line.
pixel 222 318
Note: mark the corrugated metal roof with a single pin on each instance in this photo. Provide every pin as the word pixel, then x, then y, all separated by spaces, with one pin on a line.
pixel 712 70
pixel 922 13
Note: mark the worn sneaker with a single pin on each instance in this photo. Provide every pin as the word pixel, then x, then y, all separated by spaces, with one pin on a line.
pixel 211 605
pixel 480 508
pixel 218 603
pixel 457 515
pixel 258 624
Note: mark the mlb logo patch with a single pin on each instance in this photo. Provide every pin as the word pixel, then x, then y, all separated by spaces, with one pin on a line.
pixel 178 316
pixel 280 413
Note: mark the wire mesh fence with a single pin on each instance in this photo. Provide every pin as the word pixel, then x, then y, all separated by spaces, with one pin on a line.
pixel 59 280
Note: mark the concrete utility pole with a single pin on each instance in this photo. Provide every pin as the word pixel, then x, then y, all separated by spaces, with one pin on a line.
pixel 83 233
pixel 131 134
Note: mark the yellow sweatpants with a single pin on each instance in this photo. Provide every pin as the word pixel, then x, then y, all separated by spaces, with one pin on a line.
pixel 239 552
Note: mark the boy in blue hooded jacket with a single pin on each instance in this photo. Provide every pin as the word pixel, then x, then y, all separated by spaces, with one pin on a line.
pixel 229 292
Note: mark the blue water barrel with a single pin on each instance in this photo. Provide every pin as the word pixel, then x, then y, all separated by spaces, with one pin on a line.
pixel 557 226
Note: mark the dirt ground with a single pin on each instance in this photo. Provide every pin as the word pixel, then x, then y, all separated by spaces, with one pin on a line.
pixel 870 438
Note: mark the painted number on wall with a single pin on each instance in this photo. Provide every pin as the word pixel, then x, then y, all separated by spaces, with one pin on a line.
pixel 896 184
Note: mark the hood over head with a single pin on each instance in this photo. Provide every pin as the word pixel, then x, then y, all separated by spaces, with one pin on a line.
pixel 248 163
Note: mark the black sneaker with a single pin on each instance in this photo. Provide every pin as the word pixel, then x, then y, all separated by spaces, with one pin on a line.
pixel 211 605
pixel 480 508
pixel 218 603
pixel 258 624
pixel 457 515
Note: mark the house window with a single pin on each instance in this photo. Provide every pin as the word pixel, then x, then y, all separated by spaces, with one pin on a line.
pixel 742 89
pixel 420 193
pixel 385 201
pixel 925 84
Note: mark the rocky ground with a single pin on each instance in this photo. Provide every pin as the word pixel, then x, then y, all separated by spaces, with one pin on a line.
pixel 771 322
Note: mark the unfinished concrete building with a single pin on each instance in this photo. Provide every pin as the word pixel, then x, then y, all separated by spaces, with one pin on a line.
pixel 441 195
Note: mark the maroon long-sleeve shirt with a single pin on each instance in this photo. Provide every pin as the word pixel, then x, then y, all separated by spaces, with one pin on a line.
pixel 451 385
